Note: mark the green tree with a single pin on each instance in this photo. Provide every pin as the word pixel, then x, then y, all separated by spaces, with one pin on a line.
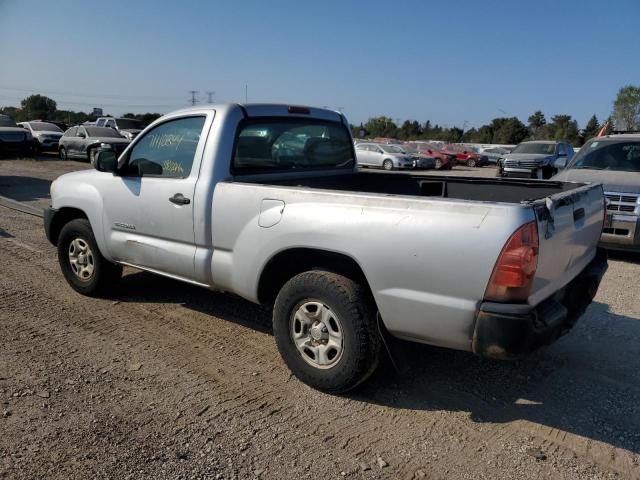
pixel 38 107
pixel 410 130
pixel 591 129
pixel 509 131
pixel 563 127
pixel 381 127
pixel 626 108
pixel 536 122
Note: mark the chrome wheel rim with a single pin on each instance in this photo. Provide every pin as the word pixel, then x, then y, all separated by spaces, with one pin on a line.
pixel 317 333
pixel 387 165
pixel 81 259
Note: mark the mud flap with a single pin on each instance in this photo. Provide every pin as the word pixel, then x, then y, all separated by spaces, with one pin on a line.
pixel 395 348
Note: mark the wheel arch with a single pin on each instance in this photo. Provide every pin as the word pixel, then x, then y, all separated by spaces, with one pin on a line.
pixel 61 218
pixel 286 264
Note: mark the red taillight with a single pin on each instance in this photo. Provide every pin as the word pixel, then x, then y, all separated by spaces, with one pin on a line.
pixel 302 110
pixel 512 276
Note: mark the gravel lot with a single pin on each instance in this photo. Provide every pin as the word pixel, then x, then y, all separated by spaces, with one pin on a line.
pixel 166 380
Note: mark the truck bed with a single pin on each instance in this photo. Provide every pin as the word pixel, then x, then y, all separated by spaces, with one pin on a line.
pixel 463 188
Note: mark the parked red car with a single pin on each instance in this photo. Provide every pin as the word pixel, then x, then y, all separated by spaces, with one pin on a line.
pixel 443 160
pixel 465 155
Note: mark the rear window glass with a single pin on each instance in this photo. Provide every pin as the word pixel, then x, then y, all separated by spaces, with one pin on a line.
pixel 291 144
pixel 608 155
pixel 44 127
pixel 102 132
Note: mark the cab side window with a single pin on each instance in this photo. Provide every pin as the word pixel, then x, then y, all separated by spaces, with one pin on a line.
pixel 168 150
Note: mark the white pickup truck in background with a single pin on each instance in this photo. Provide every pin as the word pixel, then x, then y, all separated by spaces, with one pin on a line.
pixel 266 201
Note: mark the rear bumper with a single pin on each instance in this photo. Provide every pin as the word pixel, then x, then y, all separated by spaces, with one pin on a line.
pixel 509 330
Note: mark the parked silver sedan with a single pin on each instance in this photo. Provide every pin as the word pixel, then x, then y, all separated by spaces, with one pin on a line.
pixel 83 141
pixel 389 157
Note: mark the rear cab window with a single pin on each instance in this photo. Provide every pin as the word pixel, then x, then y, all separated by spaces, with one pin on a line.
pixel 284 144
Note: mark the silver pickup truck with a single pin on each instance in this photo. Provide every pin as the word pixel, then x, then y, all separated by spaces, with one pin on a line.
pixel 266 201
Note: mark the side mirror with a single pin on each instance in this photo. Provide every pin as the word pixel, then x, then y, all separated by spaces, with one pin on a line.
pixel 561 162
pixel 106 161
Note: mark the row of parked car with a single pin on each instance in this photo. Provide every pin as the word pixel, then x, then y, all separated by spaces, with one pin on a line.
pixel 78 142
pixel 424 155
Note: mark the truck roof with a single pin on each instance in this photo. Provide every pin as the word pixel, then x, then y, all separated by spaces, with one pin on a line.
pixel 619 136
pixel 271 109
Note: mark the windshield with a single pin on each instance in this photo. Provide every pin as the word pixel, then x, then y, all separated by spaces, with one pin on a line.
pixel 597 155
pixel 539 148
pixel 284 144
pixel 44 127
pixel 130 124
pixel 102 132
pixel 392 149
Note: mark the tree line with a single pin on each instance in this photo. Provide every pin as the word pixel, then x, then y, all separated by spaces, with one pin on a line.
pixel 511 130
pixel 40 107
pixel 502 130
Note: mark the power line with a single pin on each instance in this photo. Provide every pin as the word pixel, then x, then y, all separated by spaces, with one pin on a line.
pixel 93 104
pixel 85 95
pixel 193 100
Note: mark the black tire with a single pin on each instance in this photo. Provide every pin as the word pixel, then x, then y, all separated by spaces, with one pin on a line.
pixel 353 305
pixel 387 165
pixel 63 153
pixel 104 275
pixel 471 163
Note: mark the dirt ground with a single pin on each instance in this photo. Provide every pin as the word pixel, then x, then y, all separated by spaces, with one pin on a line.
pixel 167 380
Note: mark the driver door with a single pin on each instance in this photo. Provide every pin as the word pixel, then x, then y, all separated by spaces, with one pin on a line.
pixel 148 208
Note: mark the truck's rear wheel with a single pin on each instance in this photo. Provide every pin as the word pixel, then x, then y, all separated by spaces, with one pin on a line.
pixel 82 264
pixel 324 326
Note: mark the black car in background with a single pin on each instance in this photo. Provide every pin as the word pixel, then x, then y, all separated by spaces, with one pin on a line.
pixel 14 140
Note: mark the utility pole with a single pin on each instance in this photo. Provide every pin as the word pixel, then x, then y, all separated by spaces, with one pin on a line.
pixel 210 97
pixel 193 100
pixel 246 96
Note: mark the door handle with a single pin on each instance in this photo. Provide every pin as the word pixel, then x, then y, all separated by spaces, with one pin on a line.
pixel 179 199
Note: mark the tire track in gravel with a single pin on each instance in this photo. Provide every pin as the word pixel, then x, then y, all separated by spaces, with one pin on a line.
pixel 208 360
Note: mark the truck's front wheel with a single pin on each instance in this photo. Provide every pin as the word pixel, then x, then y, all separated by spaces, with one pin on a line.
pixel 82 264
pixel 324 326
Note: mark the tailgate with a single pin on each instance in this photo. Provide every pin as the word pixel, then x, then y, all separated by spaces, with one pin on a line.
pixel 569 228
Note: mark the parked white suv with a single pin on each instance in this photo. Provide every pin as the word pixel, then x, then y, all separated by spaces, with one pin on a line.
pixel 46 134
pixel 129 128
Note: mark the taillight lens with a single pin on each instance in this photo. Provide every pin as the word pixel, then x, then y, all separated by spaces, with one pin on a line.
pixel 512 276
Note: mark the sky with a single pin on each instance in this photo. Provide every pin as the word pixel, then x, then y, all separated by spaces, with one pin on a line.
pixel 456 63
